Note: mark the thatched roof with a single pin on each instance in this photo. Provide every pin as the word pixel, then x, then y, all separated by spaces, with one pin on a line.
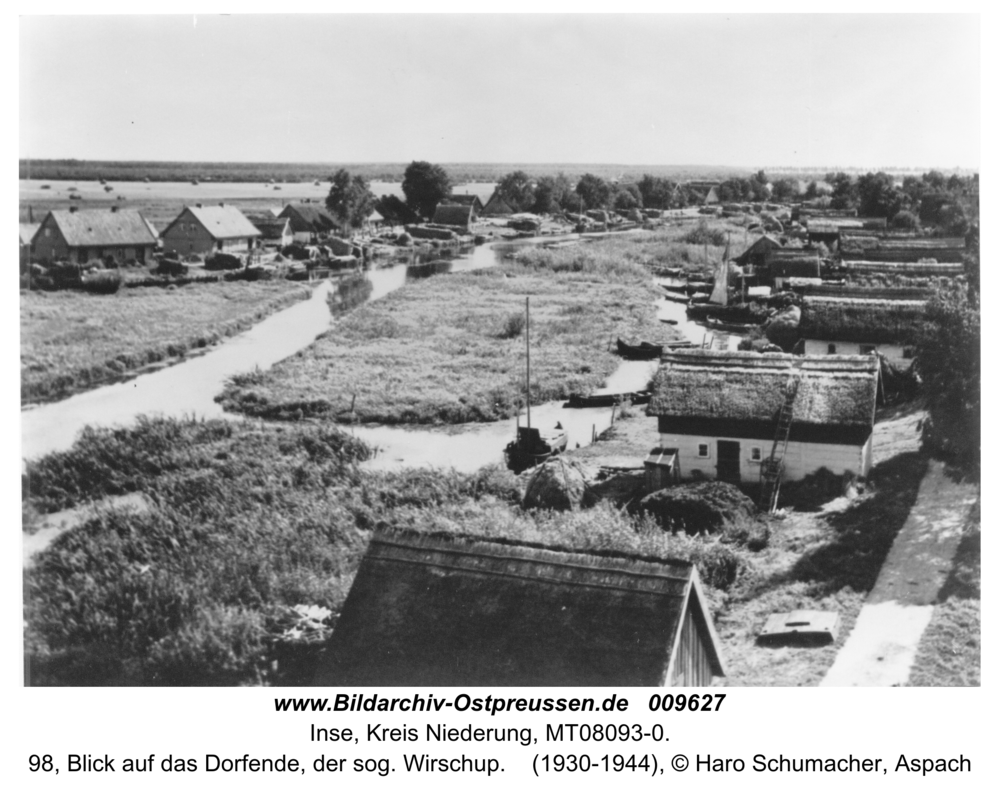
pixel 222 222
pixel 922 269
pixel 758 250
pixel 794 263
pixel 453 215
pixel 102 227
pixel 270 227
pixel 309 218
pixel 902 249
pixel 834 389
pixel 448 610
pixel 465 200
pixel 865 320
pixel 496 206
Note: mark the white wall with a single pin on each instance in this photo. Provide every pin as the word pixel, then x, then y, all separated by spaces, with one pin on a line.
pixel 893 352
pixel 801 459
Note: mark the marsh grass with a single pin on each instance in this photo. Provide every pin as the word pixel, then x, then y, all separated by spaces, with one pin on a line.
pixel 73 340
pixel 443 350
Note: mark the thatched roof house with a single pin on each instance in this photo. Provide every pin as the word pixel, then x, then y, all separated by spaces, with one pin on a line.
pixel 496 207
pixel 309 221
pixel 784 263
pixel 720 411
pixel 80 235
pixel 458 215
pixel 466 200
pixel 850 325
pixel 274 231
pixel 448 610
pixel 902 249
pixel 759 251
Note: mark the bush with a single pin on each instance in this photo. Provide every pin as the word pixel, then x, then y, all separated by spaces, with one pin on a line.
pixel 223 261
pixel 512 327
pixel 102 282
pixel 703 235
pixel 906 221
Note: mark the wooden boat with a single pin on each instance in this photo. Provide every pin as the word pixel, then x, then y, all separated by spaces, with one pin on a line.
pixel 729 327
pixel 674 297
pixel 641 351
pixel 669 321
pixel 576 401
pixel 530 445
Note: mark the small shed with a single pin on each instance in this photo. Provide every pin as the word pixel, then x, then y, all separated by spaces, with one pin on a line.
pixel 662 469
pixel 457 610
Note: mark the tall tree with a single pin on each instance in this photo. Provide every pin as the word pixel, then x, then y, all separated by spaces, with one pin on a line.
pixel 518 190
pixel 549 193
pixel 596 192
pixel 350 201
pixel 424 185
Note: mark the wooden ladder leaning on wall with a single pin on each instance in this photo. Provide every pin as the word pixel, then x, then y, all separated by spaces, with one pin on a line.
pixel 771 468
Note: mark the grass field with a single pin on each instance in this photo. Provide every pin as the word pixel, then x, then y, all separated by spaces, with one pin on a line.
pixel 446 350
pixel 72 340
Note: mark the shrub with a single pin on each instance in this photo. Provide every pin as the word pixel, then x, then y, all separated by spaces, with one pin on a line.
pixel 102 282
pixel 703 235
pixel 223 261
pixel 512 327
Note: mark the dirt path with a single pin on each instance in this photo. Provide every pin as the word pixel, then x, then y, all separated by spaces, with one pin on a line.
pixel 881 648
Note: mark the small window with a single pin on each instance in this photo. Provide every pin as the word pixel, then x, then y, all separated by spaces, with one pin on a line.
pixel 831 349
pixel 866 349
pixel 755 453
pixel 48 232
pixel 703 450
pixel 908 353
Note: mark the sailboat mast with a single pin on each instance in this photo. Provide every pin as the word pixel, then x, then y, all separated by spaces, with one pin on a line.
pixel 527 349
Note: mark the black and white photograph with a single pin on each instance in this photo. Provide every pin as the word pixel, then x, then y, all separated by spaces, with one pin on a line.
pixel 500 350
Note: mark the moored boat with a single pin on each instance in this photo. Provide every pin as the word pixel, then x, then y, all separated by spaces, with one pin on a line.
pixel 577 401
pixel 641 351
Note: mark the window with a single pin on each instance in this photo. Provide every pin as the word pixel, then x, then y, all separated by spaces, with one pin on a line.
pixel 703 450
pixel 908 353
pixel 866 349
pixel 831 349
pixel 755 453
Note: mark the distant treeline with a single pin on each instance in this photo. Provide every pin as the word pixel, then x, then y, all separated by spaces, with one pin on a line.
pixel 92 170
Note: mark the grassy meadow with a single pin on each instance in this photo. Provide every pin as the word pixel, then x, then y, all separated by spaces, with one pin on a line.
pixel 246 524
pixel 451 349
pixel 73 340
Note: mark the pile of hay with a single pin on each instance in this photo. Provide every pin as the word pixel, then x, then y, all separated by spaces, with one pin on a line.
pixel 223 261
pixel 558 484
pixel 697 508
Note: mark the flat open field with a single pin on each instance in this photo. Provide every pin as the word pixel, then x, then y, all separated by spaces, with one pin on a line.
pixel 451 349
pixel 73 340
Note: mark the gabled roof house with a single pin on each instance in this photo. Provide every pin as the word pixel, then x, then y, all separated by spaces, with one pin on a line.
pixel 85 234
pixel 206 229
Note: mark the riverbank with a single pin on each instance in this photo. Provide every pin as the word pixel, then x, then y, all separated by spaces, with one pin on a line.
pixel 452 349
pixel 73 341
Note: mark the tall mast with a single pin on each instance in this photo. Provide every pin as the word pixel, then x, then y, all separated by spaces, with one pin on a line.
pixel 527 348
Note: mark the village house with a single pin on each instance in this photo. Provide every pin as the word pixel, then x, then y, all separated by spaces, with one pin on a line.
pixel 496 207
pixel 788 263
pixel 758 253
pixel 79 235
pixel 457 215
pixel 466 200
pixel 853 325
pixel 274 231
pixel 438 610
pixel 208 229
pixel 718 412
pixel 309 222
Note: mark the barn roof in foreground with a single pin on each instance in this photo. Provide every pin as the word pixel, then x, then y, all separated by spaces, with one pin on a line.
pixel 837 390
pixel 449 610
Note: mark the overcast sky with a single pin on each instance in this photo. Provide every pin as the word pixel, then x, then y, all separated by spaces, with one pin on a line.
pixel 756 91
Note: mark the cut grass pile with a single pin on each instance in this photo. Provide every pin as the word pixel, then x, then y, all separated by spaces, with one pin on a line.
pixel 246 523
pixel 72 340
pixel 447 350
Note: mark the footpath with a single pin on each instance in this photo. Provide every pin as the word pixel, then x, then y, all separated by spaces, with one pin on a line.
pixel 881 648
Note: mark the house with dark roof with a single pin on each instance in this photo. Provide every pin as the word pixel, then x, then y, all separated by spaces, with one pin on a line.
pixel 786 263
pixel 466 200
pixel 496 207
pixel 309 221
pixel 207 229
pixel 79 235
pixel 457 215
pixel 758 252
pixel 449 610
pixel 274 231
pixel 719 412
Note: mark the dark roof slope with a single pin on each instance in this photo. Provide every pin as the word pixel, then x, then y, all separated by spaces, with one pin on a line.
pixel 465 200
pixel 102 227
pixel 834 389
pixel 871 321
pixel 311 218
pixel 446 610
pixel 453 215
pixel 270 227
pixel 794 263
pixel 496 205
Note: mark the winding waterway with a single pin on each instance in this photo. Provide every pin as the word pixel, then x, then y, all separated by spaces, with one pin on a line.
pixel 189 388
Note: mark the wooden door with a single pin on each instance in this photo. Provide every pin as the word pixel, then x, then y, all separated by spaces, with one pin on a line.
pixel 728 467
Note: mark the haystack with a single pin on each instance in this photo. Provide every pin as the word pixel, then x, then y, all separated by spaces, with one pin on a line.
pixel 339 247
pixel 558 484
pixel 697 508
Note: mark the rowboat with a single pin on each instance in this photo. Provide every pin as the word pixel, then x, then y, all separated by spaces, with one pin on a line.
pixel 642 351
pixel 728 327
